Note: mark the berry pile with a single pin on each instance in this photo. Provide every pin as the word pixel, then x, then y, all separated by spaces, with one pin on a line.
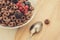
pixel 15 13
pixel 25 6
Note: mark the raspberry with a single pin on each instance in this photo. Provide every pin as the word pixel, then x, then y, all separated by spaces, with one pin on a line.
pixel 17 4
pixel 26 11
pixel 20 8
pixel 26 7
pixel 20 5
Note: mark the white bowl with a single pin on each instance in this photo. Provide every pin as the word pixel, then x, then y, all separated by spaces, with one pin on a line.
pixel 33 14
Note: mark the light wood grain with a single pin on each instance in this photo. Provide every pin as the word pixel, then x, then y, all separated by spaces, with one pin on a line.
pixel 46 9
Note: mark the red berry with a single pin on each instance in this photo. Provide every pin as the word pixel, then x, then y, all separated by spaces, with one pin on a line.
pixel 26 7
pixel 17 4
pixel 20 5
pixel 20 8
pixel 25 11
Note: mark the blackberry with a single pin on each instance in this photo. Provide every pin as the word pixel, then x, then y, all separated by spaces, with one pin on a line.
pixel 18 15
pixel 15 1
pixel 27 3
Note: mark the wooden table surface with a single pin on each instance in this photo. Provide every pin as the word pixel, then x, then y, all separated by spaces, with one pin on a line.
pixel 45 9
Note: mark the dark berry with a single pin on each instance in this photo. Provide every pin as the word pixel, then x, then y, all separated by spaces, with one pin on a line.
pixel 18 15
pixel 26 7
pixel 15 1
pixel 27 3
